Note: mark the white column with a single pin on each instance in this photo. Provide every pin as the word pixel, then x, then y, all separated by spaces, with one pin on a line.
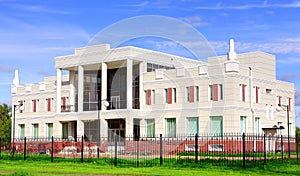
pixel 80 88
pixel 58 90
pixel 72 89
pixel 129 84
pixel 103 84
pixel 141 76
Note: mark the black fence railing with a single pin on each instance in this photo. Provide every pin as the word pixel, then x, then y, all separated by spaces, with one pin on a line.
pixel 244 150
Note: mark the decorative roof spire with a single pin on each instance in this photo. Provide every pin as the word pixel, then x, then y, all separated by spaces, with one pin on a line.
pixel 231 53
pixel 16 80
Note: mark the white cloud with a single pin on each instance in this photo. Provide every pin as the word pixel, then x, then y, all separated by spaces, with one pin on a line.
pixel 219 6
pixel 194 21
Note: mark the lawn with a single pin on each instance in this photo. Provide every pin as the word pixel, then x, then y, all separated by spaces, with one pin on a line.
pixel 8 167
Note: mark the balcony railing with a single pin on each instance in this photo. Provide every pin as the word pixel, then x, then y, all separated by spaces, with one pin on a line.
pixel 67 108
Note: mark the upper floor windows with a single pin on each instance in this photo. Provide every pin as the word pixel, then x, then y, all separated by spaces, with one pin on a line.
pixel 279 100
pixel 34 105
pixel 170 95
pixel 149 97
pixel 215 92
pixel 48 104
pixel 243 92
pixel 152 67
pixel 192 94
pixel 256 94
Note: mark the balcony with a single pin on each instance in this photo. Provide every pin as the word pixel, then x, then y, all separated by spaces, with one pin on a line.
pixel 67 108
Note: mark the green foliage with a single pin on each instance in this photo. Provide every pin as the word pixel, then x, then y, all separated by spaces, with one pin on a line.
pixel 298 132
pixel 5 121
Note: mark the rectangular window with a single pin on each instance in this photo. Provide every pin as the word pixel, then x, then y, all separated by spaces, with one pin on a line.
pixel 192 94
pixel 149 97
pixel 289 102
pixel 243 92
pixel 34 105
pixel 49 130
pixel 171 127
pixel 21 131
pixel 21 103
pixel 269 91
pixel 150 123
pixel 35 131
pixel 48 104
pixel 216 125
pixel 216 92
pixel 170 95
pixel 257 125
pixel 243 124
pixel 192 126
pixel 63 104
pixel 279 131
pixel 65 131
pixel 256 94
pixel 279 100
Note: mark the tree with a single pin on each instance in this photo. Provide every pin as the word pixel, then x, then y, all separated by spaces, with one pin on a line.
pixel 298 131
pixel 5 121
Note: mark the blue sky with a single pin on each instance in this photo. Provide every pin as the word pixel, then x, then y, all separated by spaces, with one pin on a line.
pixel 33 32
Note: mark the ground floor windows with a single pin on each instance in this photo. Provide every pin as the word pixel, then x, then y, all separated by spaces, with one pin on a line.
pixel 150 128
pixel 35 131
pixel 257 125
pixel 65 130
pixel 192 126
pixel 216 125
pixel 243 124
pixel 21 130
pixel 171 127
pixel 49 130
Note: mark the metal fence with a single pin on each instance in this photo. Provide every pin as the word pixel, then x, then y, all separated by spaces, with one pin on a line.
pixel 244 150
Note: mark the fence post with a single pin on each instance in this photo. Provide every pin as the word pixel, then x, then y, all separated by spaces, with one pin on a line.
pixel 297 147
pixel 116 150
pixel 265 154
pixel 52 148
pixel 244 152
pixel 196 148
pixel 138 151
pixel 0 146
pixel 281 149
pixel 82 149
pixel 160 150
pixel 24 148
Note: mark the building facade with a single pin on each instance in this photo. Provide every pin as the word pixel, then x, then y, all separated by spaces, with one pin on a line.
pixel 130 91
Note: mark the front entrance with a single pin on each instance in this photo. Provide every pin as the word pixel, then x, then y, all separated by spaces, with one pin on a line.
pixel 136 129
pixel 116 131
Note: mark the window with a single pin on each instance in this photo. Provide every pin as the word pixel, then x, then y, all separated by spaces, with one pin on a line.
pixel 21 103
pixel 269 91
pixel 192 94
pixel 170 95
pixel 279 102
pixel 65 131
pixel 192 126
pixel 243 92
pixel 34 105
pixel 289 103
pixel 49 130
pixel 150 123
pixel 257 125
pixel 216 92
pixel 256 94
pixel 48 104
pixel 21 130
pixel 279 131
pixel 216 147
pixel 149 97
pixel 171 127
pixel 243 124
pixel 64 107
pixel 216 125
pixel 35 131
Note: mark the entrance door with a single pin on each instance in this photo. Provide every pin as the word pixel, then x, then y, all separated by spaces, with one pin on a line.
pixel 116 130
pixel 136 129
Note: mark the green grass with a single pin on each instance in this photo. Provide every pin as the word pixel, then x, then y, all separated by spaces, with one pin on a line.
pixel 9 167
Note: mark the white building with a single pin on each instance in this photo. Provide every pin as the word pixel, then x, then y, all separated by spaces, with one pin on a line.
pixel 144 93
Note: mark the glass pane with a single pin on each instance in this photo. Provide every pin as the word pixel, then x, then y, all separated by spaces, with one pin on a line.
pixel 171 127
pixel 216 125
pixel 193 126
pixel 150 128
pixel 50 130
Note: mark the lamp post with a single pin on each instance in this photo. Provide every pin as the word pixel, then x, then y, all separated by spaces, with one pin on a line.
pixel 288 126
pixel 105 104
pixel 14 122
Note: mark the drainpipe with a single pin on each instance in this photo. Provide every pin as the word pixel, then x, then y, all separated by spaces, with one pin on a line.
pixel 251 104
